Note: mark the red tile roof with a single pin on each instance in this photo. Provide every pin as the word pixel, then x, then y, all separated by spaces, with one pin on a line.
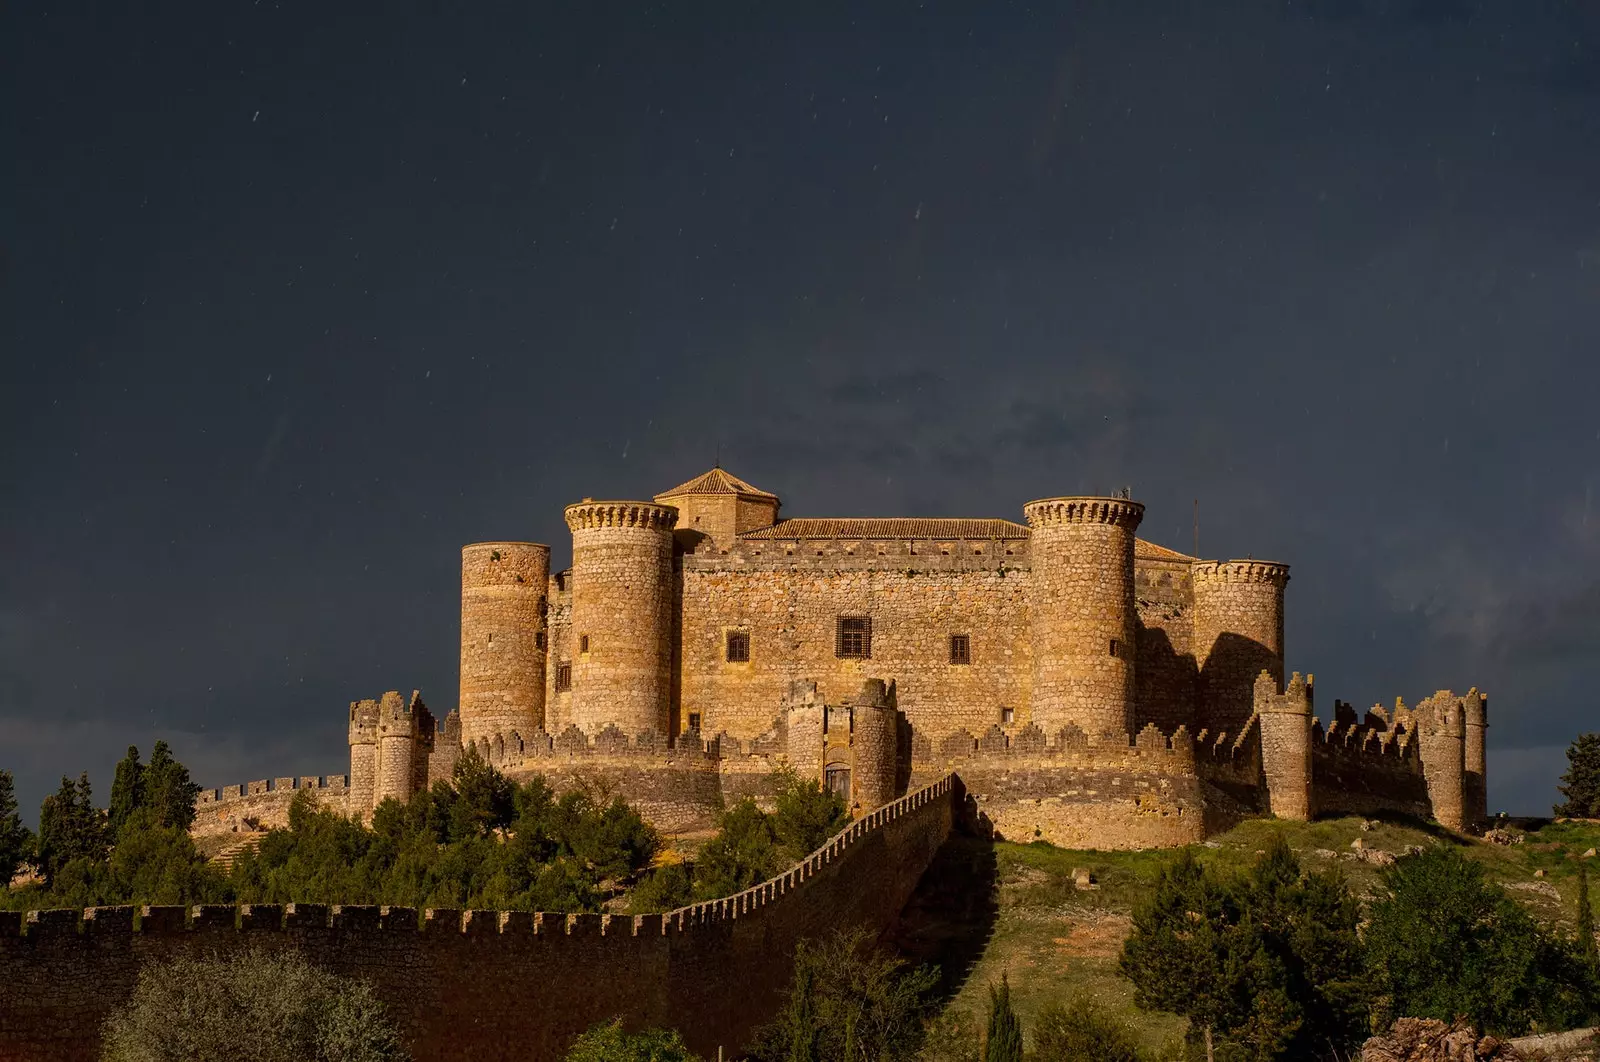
pixel 892 527
pixel 717 481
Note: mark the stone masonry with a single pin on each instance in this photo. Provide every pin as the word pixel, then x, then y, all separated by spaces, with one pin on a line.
pixel 1095 689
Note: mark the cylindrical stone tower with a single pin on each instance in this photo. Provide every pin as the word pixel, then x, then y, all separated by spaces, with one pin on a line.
pixel 397 739
pixel 1083 613
pixel 1238 634
pixel 873 772
pixel 363 757
pixel 1476 793
pixel 503 641
pixel 1286 745
pixel 1443 747
pixel 621 614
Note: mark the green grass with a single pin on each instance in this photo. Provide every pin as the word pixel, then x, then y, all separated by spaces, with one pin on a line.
pixel 1056 943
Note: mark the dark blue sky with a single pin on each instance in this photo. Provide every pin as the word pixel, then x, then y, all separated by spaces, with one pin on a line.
pixel 301 297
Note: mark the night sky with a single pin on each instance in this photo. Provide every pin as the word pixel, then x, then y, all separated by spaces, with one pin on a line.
pixel 299 298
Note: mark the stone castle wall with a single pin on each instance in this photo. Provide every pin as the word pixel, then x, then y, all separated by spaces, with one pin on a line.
pixel 263 804
pixel 494 985
pixel 789 604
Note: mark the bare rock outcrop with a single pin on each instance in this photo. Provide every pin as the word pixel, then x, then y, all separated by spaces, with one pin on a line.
pixel 1427 1040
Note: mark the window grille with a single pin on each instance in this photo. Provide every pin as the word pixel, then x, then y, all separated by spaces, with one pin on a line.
pixel 960 649
pixel 563 677
pixel 738 647
pixel 854 637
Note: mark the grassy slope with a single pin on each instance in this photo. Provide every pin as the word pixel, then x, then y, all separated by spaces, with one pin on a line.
pixel 1055 942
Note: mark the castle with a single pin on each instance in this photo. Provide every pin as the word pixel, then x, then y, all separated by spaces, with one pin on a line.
pixel 1092 689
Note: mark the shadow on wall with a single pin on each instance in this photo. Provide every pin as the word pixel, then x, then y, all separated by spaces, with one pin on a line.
pixel 952 913
pixel 1164 683
pixel 1228 680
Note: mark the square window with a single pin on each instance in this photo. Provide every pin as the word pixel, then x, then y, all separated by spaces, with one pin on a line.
pixel 563 677
pixel 1113 647
pixel 694 720
pixel 854 637
pixel 738 647
pixel 960 649
pixel 583 643
pixel 1008 716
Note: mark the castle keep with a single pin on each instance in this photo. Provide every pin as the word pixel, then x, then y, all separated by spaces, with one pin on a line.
pixel 1091 688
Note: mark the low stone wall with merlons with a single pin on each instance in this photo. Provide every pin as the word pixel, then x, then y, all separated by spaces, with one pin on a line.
pixel 261 805
pixel 495 985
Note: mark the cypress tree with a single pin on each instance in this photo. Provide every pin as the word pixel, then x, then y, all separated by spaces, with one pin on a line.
pixel 168 792
pixel 1004 1042
pixel 13 835
pixel 805 1042
pixel 1586 942
pixel 127 791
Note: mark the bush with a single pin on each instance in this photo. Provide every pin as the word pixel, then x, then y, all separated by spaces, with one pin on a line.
pixel 1081 1031
pixel 1443 942
pixel 609 1043
pixel 850 1002
pixel 664 889
pixel 269 1007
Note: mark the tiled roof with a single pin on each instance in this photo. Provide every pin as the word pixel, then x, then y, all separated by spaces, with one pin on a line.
pixel 1150 551
pixel 717 481
pixel 893 527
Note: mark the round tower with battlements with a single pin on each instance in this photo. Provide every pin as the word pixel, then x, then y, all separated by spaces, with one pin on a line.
pixel 363 757
pixel 1238 634
pixel 873 742
pixel 1475 719
pixel 621 614
pixel 397 742
pixel 1083 623
pixel 503 639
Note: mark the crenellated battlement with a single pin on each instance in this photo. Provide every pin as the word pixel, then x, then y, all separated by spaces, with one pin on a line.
pixel 1054 512
pixel 1270 573
pixel 1148 750
pixel 545 976
pixel 592 515
pixel 327 783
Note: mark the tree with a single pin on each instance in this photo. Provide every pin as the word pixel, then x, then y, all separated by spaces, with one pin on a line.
pixel 271 1007
pixel 1587 950
pixel 486 798
pixel 664 889
pixel 743 853
pixel 127 791
pixel 1442 942
pixel 805 814
pixel 1080 1031
pixel 1187 953
pixel 14 836
pixel 166 788
pixel 1003 1040
pixel 70 827
pixel 1581 784
pixel 864 1005
pixel 608 1042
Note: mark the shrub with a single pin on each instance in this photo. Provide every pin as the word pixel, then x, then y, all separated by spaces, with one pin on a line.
pixel 609 1043
pixel 1081 1031
pixel 1003 1040
pixel 269 1007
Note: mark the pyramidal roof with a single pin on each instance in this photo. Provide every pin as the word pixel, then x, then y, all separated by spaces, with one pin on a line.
pixel 717 481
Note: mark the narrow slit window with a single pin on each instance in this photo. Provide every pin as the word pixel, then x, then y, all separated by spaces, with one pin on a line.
pixel 1114 647
pixel 538 640
pixel 738 647
pixel 563 677
pixel 583 643
pixel 960 649
pixel 854 637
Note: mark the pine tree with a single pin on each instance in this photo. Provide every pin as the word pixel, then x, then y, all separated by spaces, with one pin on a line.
pixel 805 1041
pixel 70 827
pixel 127 791
pixel 1586 942
pixel 1581 783
pixel 14 836
pixel 168 792
pixel 1004 1041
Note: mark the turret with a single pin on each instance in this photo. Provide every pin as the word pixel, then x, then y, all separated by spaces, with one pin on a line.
pixel 1475 718
pixel 1238 633
pixel 1083 626
pixel 717 507
pixel 397 746
pixel 1285 720
pixel 363 756
pixel 503 638
pixel 873 738
pixel 621 614
pixel 1441 740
